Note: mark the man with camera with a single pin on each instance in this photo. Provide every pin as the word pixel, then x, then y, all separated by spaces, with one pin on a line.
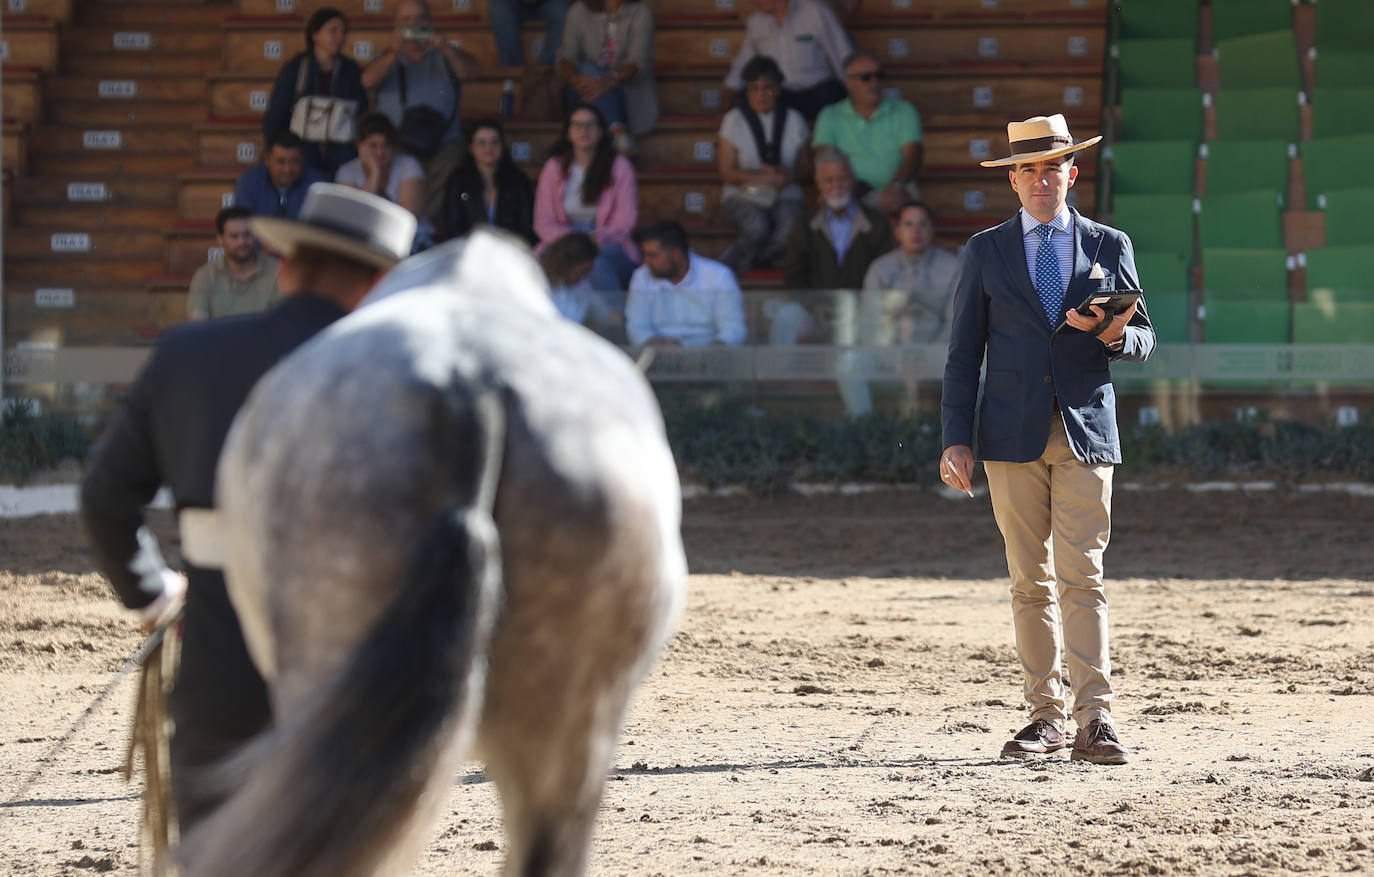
pixel 418 81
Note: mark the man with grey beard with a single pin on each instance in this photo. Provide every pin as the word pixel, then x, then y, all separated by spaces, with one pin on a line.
pixel 833 249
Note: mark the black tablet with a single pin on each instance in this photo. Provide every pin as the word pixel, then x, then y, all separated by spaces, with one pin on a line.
pixel 1111 303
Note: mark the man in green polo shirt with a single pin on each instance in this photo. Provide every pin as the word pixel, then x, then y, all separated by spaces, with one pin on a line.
pixel 241 281
pixel 881 135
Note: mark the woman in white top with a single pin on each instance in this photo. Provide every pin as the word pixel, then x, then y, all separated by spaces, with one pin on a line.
pixel 760 144
pixel 380 169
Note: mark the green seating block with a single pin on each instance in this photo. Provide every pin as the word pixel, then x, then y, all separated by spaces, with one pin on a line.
pixel 1248 322
pixel 1169 315
pixel 1159 19
pixel 1348 217
pixel 1161 273
pixel 1325 323
pixel 1161 114
pixel 1162 167
pixel 1345 67
pixel 1337 112
pixel 1157 63
pixel 1238 18
pixel 1341 274
pixel 1262 60
pixel 1257 114
pixel 1246 165
pixel 1332 163
pixel 1242 221
pixel 1344 23
pixel 1157 223
pixel 1244 275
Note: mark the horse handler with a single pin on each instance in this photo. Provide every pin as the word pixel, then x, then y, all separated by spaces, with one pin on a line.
pixel 170 429
pixel 1047 431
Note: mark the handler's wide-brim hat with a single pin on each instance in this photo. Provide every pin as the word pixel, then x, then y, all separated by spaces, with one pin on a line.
pixel 1039 138
pixel 356 225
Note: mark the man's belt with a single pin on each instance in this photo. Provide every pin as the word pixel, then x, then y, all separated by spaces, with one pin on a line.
pixel 202 538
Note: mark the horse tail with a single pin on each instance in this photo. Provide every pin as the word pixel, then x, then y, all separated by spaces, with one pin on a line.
pixel 339 789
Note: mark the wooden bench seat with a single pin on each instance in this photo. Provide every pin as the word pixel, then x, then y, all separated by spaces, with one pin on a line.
pixel 110 269
pixel 52 10
pixel 15 151
pixel 163 40
pixel 29 42
pixel 118 189
pixel 128 113
pixel 93 217
pixel 119 90
pixel 23 94
pixel 189 246
pixel 129 315
pixel 121 65
pixel 107 163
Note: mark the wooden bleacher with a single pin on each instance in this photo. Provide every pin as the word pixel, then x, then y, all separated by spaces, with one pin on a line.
pixel 166 115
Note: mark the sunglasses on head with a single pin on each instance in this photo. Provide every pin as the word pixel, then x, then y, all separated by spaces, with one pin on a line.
pixel 870 76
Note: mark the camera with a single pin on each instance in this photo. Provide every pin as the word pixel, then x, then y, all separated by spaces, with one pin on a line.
pixel 421 34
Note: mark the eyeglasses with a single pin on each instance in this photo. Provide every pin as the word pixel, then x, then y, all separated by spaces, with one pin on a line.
pixel 869 76
pixel 583 126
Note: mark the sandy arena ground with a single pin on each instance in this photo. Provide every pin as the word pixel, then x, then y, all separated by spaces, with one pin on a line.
pixel 838 693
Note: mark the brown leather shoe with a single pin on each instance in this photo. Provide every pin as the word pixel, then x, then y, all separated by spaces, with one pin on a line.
pixel 1038 738
pixel 1097 743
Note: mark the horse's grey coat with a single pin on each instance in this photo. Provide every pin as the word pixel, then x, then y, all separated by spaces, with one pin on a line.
pixel 344 455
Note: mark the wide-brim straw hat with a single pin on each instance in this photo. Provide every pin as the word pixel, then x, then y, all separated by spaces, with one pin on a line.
pixel 356 225
pixel 1039 138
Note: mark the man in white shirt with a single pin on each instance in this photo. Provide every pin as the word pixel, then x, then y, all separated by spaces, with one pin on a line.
pixel 680 299
pixel 808 42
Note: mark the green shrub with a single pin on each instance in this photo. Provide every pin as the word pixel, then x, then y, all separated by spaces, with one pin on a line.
pixel 30 442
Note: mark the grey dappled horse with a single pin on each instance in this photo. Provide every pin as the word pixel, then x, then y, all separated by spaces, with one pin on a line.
pixel 451 525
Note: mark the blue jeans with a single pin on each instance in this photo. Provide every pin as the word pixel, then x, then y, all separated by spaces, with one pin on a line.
pixel 508 15
pixel 611 104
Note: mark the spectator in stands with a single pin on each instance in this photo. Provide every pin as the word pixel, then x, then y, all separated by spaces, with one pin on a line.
pixel 277 186
pixel 508 15
pixel 378 169
pixel 835 247
pixel 760 143
pixel 489 188
pixel 607 60
pixel 914 284
pixel 807 41
pixel 586 186
pixel 417 81
pixel 321 71
pixel 567 263
pixel 680 299
pixel 881 135
pixel 241 281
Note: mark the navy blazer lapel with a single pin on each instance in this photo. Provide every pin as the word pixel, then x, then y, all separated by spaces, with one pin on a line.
pixel 1087 240
pixel 1011 242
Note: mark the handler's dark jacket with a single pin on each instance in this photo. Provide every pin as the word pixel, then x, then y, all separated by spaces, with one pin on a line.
pixel 169 431
pixel 811 262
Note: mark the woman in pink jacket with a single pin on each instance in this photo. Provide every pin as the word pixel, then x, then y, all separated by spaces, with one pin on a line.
pixel 586 186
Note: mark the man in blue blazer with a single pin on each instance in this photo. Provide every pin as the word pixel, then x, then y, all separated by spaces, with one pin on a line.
pixel 1047 431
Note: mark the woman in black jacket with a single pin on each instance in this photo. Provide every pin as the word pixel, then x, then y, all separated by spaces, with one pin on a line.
pixel 488 187
pixel 327 73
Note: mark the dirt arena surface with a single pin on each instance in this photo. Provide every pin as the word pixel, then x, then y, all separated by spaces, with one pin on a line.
pixel 838 693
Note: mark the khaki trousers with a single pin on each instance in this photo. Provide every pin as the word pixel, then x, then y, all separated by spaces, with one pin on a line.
pixel 1055 517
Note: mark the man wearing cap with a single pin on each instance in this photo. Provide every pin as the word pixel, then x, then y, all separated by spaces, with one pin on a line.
pixel 1047 431
pixel 170 429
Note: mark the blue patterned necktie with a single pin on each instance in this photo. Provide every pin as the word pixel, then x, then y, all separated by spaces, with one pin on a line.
pixel 1047 279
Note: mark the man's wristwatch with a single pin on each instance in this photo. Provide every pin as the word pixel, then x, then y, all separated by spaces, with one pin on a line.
pixel 1117 344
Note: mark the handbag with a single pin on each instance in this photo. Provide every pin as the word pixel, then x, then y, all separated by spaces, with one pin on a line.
pixel 320 118
pixel 422 127
pixel 760 195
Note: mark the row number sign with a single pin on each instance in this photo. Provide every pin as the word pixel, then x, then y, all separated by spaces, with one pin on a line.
pixel 974 200
pixel 694 202
pixel 462 5
pixel 719 48
pixel 520 151
pixel 372 6
pixel 246 152
pixel 86 192
pixel 286 6
pixel 70 242
pixel 257 99
pixel 725 5
pixel 17 5
pixel 710 98
pixel 4 50
pixel 132 41
pixel 703 150
pixel 101 140
pixel 271 50
pixel 226 199
pixel 897 47
pixel 1078 46
pixel 362 49
pixel 1073 95
pixel 980 148
pixel 901 4
pixel 54 298
pixel 117 88
pixel 988 47
pixel 213 253
pixel 983 96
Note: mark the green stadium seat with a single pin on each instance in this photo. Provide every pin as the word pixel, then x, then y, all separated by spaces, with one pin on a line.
pixel 1161 273
pixel 1160 19
pixel 1265 60
pixel 1170 316
pixel 1345 68
pixel 1161 114
pixel 1337 112
pixel 1344 23
pixel 1341 274
pixel 1327 323
pixel 1246 165
pixel 1257 114
pixel 1238 18
pixel 1161 167
pixel 1348 213
pixel 1248 322
pixel 1157 63
pixel 1244 275
pixel 1332 163
pixel 1242 221
pixel 1157 223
